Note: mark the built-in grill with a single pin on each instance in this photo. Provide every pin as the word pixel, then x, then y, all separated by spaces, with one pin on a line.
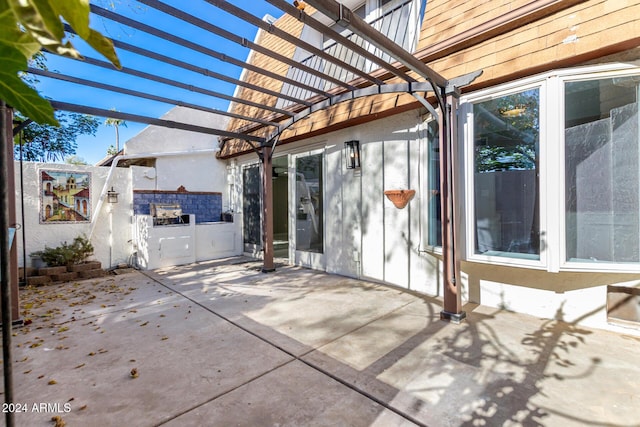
pixel 167 214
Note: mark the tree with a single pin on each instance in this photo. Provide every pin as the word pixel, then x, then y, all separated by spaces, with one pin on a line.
pixel 45 143
pixel 507 132
pixel 75 160
pixel 116 123
pixel 26 26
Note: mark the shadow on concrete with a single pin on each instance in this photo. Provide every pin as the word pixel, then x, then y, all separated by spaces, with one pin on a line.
pixel 221 343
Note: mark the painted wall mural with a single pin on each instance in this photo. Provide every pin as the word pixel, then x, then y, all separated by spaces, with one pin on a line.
pixel 65 196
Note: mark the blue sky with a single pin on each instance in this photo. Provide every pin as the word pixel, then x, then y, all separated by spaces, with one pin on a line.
pixel 93 148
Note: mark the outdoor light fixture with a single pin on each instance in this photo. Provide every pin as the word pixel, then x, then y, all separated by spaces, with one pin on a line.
pixel 300 5
pixel 352 154
pixel 112 196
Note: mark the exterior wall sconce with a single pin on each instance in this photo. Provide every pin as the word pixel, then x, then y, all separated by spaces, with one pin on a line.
pixel 352 154
pixel 300 5
pixel 112 196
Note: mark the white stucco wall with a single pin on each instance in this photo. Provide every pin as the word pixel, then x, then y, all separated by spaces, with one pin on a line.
pixel 112 234
pixel 365 235
pixel 193 163
pixel 182 159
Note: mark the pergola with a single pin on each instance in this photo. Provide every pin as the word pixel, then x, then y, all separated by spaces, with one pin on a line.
pixel 403 73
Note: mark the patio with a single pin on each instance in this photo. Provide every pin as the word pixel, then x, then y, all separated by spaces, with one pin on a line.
pixel 220 343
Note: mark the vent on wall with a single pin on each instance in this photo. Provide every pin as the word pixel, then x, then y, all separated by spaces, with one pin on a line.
pixel 623 305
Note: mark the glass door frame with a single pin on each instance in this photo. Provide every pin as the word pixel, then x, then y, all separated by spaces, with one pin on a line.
pixel 305 258
pixel 253 249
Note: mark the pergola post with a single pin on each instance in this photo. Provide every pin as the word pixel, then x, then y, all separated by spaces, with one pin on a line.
pixel 452 305
pixel 8 251
pixel 267 209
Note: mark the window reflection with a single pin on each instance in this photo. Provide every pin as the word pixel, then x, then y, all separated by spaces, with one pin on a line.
pixel 435 225
pixel 506 143
pixel 309 203
pixel 602 170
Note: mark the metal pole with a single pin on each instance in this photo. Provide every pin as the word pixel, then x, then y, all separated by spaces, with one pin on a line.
pixel 22 229
pixel 6 139
pixel 452 310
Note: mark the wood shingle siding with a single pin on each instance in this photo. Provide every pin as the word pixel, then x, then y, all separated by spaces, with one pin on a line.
pixel 507 39
pixel 569 37
pixel 288 24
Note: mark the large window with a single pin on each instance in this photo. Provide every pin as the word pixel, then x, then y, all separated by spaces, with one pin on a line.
pixel 434 235
pixel 602 170
pixel 552 171
pixel 506 157
pixel 309 204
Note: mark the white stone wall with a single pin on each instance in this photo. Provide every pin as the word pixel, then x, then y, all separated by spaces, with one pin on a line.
pixel 365 235
pixel 183 158
pixel 112 234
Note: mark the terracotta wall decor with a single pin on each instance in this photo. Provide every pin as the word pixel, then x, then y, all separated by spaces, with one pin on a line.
pixel 400 198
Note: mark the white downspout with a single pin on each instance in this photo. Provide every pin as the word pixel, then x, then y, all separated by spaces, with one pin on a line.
pixel 114 164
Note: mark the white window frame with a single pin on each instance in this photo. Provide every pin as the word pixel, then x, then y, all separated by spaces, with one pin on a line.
pixel 551 168
pixel 425 202
pixel 469 160
pixel 585 74
pixel 316 260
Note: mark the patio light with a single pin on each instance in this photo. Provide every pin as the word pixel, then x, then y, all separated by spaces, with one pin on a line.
pixel 112 196
pixel 352 154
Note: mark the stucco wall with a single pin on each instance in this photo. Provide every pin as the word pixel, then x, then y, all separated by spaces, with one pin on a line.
pixel 366 236
pixel 194 165
pixel 112 234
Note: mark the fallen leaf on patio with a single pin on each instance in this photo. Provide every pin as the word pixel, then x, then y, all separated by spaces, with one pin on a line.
pixel 165 338
pixel 63 329
pixel 26 372
pixel 134 373
pixel 25 359
pixel 92 354
pixel 79 366
pixel 59 421
pixel 52 382
pixel 83 407
pixel 144 324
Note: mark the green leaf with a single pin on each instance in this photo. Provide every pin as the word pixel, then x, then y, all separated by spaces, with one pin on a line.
pixel 26 100
pixel 76 13
pixel 17 93
pixel 104 46
pixel 40 20
pixel 11 35
pixel 28 25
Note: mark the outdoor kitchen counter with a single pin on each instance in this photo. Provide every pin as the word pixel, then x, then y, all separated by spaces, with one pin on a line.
pixel 178 244
pixel 218 239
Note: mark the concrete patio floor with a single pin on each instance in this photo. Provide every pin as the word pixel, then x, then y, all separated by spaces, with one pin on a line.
pixel 222 344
